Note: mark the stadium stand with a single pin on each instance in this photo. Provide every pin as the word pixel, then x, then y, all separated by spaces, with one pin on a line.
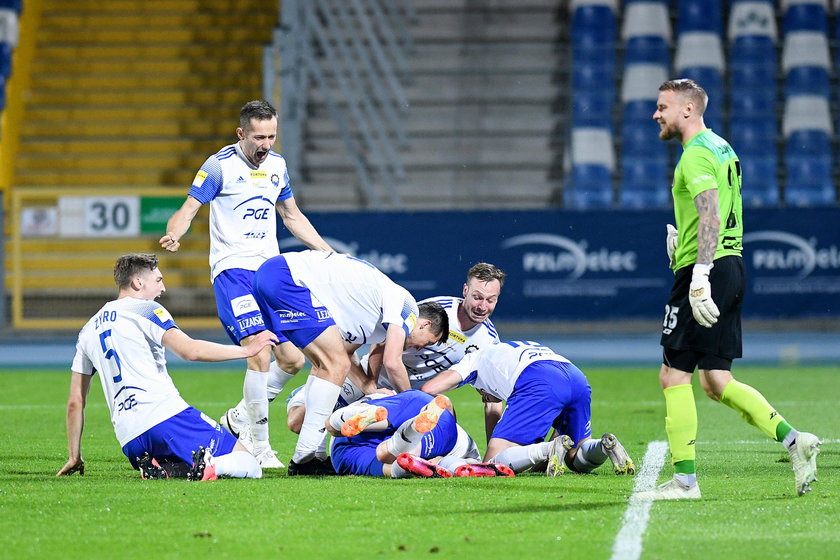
pixel 593 163
pixel 646 31
pixel 807 124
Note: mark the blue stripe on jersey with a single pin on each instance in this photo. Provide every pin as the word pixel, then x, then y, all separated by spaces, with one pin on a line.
pixel 225 153
pixel 212 184
pixel 469 380
pixel 445 302
pixel 491 327
pixel 147 309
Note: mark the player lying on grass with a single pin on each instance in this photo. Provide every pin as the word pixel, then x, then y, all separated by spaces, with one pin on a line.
pixel 399 435
pixel 161 435
pixel 542 390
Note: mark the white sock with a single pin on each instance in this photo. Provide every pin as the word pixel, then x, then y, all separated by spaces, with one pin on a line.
pixel 342 415
pixel 237 464
pixel 451 462
pixel 790 439
pixel 321 396
pixel 405 439
pixel 397 471
pixel 521 457
pixel 687 480
pixel 256 403
pixel 589 456
pixel 277 379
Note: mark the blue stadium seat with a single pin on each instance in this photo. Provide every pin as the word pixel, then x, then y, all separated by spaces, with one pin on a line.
pixel 807 143
pixel 699 15
pixel 711 80
pixel 647 49
pixel 594 36
pixel 748 76
pixel 590 187
pixel 753 104
pixel 807 80
pixel 809 182
pixel 805 16
pixel 592 108
pixel 644 184
pixel 587 77
pixel 15 5
pixel 5 60
pixel 753 136
pixel 760 185
pixel 640 139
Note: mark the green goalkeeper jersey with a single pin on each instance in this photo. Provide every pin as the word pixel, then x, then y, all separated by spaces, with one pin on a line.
pixel 707 162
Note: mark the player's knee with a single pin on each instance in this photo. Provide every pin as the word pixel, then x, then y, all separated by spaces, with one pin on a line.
pixel 294 419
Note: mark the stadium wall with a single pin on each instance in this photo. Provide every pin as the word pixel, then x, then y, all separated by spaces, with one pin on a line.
pixel 590 266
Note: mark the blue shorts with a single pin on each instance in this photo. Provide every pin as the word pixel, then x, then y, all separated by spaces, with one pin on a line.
pixel 547 394
pixel 237 306
pixel 176 438
pixel 289 308
pixel 357 455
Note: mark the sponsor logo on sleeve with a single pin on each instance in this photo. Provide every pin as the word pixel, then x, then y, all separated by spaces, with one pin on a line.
pixel 199 179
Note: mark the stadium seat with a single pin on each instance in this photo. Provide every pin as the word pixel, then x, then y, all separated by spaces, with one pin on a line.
pixel 591 78
pixel 590 187
pixel 593 34
pixel 807 80
pixel 805 48
pixel 15 5
pixel 699 15
pixel 646 18
pixel 753 136
pixel 805 15
pixel 806 113
pixel 641 83
pixel 592 108
pixel 809 182
pixel 760 183
pixel 752 19
pixel 644 184
pixel 593 162
pixel 5 60
pixel 646 50
pixel 711 80
pixel 640 138
pixel 9 26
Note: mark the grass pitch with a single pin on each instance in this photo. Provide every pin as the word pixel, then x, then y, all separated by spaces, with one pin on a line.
pixel 748 509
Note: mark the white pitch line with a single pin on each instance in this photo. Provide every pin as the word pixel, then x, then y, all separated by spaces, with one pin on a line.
pixel 628 542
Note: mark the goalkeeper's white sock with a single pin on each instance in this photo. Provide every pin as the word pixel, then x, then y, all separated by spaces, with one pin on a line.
pixel 277 379
pixel 521 457
pixel 321 396
pixel 256 404
pixel 237 464
pixel 589 456
pixel 405 439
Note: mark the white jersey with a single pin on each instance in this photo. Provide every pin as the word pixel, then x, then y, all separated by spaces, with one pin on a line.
pixel 496 368
pixel 424 364
pixel 122 343
pixel 242 197
pixel 360 298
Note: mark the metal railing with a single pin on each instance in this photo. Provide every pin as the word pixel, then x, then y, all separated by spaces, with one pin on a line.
pixel 354 53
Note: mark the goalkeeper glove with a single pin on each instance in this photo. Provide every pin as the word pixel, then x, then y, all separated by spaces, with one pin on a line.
pixel 671 242
pixel 700 296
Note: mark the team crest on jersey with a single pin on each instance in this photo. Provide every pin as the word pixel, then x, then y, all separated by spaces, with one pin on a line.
pixel 275 179
pixel 199 178
pixel 470 348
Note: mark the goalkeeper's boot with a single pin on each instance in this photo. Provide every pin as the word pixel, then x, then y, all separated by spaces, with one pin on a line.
pixel 484 469
pixel 671 490
pixel 149 468
pixel 422 468
pixel 557 455
pixel 621 461
pixel 365 417
pixel 202 469
pixel 803 459
pixel 429 415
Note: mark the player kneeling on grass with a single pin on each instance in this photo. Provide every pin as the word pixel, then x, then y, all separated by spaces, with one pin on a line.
pixel 410 433
pixel 542 390
pixel 124 342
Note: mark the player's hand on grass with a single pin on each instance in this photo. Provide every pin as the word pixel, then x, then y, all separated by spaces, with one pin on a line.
pixel 700 296
pixel 71 466
pixel 671 242
pixel 170 242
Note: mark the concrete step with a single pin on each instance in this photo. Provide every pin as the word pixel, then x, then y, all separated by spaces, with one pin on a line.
pixel 230 97
pixel 111 177
pixel 128 161
pixel 442 58
pixel 152 145
pixel 68 23
pixel 146 65
pixel 469 119
pixel 131 113
pixel 493 26
pixel 149 6
pixel 54 53
pixel 45 80
pixel 160 35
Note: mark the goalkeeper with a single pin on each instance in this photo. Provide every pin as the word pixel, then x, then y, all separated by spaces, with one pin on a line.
pixel 702 326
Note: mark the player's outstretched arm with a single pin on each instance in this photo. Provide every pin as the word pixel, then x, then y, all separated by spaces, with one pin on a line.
pixel 79 388
pixel 179 223
pixel 300 226
pixel 392 358
pixel 442 382
pixel 196 350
